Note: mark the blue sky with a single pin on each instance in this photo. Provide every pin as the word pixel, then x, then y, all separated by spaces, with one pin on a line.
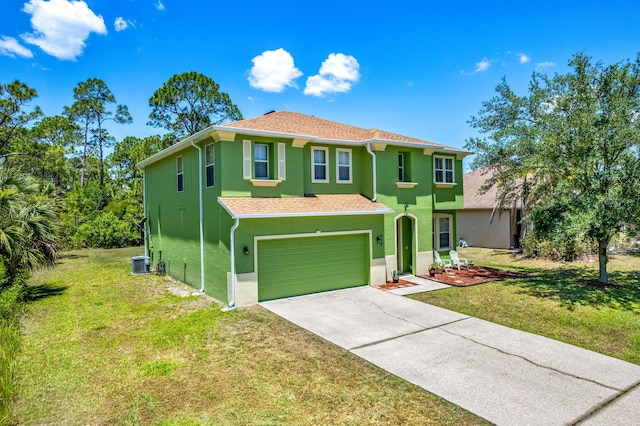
pixel 418 68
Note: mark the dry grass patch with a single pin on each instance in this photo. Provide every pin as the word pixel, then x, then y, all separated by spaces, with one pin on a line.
pixel 104 347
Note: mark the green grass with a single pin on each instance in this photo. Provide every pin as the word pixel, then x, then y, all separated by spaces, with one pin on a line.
pixel 10 307
pixel 9 344
pixel 557 300
pixel 101 346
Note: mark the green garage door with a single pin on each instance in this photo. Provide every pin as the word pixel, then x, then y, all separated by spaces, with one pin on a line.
pixel 295 266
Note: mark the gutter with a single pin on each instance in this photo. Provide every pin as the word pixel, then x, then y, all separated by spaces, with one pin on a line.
pixel 232 247
pixel 375 186
pixel 201 291
pixel 144 212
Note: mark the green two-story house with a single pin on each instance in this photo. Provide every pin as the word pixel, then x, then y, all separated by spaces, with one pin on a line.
pixel 287 204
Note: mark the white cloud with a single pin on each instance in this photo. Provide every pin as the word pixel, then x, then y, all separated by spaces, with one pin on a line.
pixel 542 65
pixel 159 5
pixel 120 24
pixel 273 71
pixel 523 58
pixel 9 46
pixel 483 65
pixel 337 74
pixel 62 26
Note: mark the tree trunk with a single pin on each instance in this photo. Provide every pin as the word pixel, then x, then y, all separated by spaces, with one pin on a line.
pixel 83 160
pixel 603 276
pixel 100 141
pixel 101 167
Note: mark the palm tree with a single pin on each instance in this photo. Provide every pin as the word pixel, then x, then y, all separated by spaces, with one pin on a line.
pixel 28 223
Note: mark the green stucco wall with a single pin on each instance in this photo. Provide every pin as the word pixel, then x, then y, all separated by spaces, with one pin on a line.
pixel 417 199
pixel 174 227
pixel 173 218
pixel 231 168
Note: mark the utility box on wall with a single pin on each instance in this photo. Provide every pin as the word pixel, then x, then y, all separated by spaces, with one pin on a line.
pixel 140 265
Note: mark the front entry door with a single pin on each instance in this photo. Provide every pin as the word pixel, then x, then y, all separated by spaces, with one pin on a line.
pixel 404 244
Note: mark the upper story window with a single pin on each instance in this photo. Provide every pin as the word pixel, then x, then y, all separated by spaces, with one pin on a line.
pixel 261 161
pixel 343 171
pixel 443 169
pixel 404 167
pixel 180 173
pixel 210 164
pixel 319 164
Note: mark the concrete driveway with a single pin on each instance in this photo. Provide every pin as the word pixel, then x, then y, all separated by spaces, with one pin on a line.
pixel 506 376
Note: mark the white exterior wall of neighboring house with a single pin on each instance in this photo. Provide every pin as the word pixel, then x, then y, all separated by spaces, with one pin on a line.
pixel 477 228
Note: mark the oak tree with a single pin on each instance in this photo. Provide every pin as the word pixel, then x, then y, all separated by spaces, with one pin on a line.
pixel 577 136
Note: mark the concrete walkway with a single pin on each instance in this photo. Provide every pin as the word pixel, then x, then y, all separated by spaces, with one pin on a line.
pixel 506 376
pixel 422 285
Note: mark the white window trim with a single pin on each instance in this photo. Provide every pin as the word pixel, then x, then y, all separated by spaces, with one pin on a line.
pixel 247 160
pixel 179 162
pixel 402 167
pixel 261 161
pixel 313 164
pixel 213 150
pixel 444 183
pixel 338 151
pixel 436 231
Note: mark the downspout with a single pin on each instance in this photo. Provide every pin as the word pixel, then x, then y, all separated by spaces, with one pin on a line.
pixel 375 188
pixel 144 212
pixel 232 247
pixel 201 291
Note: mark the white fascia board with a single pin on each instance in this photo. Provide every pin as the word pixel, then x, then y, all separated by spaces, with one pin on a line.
pixel 429 145
pixel 178 146
pixel 329 141
pixel 203 134
pixel 226 208
pixel 312 214
pixel 265 133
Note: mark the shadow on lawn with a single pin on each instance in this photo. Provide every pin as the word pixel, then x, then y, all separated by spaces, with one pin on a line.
pixel 69 256
pixel 575 286
pixel 43 291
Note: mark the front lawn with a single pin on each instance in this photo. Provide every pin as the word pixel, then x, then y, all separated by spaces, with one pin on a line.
pixel 101 346
pixel 557 300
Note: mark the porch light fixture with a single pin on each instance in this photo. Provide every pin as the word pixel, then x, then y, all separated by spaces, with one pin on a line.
pixel 246 251
pixel 379 239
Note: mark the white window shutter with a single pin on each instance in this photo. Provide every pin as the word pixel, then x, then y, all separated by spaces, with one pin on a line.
pixel 246 159
pixel 282 165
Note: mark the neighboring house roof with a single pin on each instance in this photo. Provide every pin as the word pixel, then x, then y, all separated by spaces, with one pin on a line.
pixel 285 124
pixel 314 205
pixel 472 182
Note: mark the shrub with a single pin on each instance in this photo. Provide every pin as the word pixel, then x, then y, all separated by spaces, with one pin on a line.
pixel 558 247
pixel 106 230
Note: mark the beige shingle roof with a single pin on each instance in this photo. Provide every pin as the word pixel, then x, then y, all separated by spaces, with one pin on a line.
pixel 307 125
pixel 472 182
pixel 319 204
